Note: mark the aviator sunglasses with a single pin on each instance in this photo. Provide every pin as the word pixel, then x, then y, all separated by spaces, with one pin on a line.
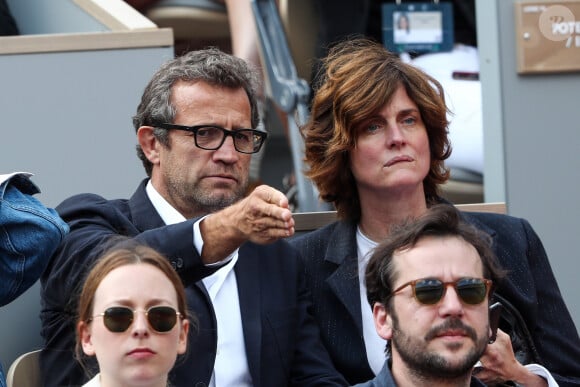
pixel 119 318
pixel 429 291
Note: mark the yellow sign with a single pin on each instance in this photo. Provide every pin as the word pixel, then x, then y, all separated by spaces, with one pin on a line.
pixel 548 36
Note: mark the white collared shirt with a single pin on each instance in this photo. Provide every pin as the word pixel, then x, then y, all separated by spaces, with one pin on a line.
pixel 231 364
pixel 94 382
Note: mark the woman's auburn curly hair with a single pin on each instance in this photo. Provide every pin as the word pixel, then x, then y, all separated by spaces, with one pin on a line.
pixel 358 78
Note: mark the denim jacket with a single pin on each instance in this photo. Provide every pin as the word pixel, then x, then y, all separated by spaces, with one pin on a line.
pixel 29 234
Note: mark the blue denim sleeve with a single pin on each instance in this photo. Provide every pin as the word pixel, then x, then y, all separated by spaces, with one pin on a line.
pixel 29 235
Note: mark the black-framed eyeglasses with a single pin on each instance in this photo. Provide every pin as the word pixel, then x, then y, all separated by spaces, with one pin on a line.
pixel 211 137
pixel 429 291
pixel 119 318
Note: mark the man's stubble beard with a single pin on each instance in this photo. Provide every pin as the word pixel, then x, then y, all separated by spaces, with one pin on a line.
pixel 203 201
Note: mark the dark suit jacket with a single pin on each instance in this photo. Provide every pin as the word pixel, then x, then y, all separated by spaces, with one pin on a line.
pixel 330 255
pixel 385 379
pixel 282 340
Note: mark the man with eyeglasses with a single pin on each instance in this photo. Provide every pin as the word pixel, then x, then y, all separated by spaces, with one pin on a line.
pixel 196 132
pixel 429 285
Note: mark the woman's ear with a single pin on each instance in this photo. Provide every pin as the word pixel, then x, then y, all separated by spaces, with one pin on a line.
pixel 383 321
pixel 182 347
pixel 85 337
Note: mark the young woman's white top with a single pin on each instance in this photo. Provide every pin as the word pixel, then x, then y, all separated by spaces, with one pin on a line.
pixel 94 382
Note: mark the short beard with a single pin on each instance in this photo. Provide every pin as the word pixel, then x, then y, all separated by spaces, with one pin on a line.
pixel 203 202
pixel 209 203
pixel 432 366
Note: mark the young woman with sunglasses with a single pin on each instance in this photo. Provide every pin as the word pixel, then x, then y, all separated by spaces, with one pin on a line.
pixel 375 145
pixel 132 318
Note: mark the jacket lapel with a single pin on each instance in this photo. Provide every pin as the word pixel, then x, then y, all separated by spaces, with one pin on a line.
pixel 344 281
pixel 248 273
pixel 145 217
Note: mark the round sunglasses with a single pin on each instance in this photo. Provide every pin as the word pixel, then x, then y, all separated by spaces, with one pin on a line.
pixel 119 318
pixel 429 291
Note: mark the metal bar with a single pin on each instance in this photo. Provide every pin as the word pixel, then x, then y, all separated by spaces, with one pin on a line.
pixel 288 91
